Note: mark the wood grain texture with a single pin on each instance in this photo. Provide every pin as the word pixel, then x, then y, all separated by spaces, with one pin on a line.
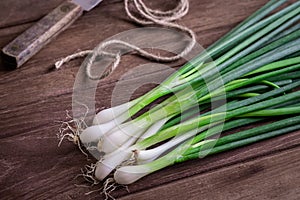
pixel 34 97
pixel 249 180
pixel 20 12
pixel 41 33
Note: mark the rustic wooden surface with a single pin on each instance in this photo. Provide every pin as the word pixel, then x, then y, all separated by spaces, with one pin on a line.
pixel 35 96
pixel 41 33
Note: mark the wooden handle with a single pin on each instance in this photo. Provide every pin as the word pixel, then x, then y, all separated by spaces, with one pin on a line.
pixel 33 39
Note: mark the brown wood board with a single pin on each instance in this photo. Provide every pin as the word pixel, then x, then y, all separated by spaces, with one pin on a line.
pixel 34 97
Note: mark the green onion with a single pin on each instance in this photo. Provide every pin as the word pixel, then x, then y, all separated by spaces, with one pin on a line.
pixel 255 76
pixel 130 174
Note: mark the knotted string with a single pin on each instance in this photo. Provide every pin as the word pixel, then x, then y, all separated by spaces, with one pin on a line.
pixel 144 16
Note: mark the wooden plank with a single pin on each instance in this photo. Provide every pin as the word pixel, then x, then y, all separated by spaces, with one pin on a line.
pixel 28 43
pixel 35 96
pixel 20 11
pixel 25 169
pixel 206 24
pixel 272 177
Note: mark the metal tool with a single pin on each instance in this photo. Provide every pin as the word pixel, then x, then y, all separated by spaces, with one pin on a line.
pixel 33 39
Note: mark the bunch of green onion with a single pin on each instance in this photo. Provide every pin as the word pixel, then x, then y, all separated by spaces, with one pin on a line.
pixel 254 77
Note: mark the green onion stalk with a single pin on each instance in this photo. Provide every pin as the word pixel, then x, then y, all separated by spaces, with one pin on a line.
pixel 247 77
pixel 175 82
pixel 193 149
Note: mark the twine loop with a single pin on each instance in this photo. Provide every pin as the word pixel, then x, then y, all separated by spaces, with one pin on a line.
pixel 145 16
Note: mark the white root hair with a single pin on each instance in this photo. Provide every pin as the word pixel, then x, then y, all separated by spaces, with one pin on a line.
pixel 71 129
pixel 88 173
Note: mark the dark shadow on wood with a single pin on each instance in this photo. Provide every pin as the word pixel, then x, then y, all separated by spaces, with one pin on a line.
pixel 3 65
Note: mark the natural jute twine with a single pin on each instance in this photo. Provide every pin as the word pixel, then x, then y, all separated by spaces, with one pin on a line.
pixel 144 16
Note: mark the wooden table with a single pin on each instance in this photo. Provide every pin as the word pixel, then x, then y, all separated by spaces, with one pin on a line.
pixel 35 96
